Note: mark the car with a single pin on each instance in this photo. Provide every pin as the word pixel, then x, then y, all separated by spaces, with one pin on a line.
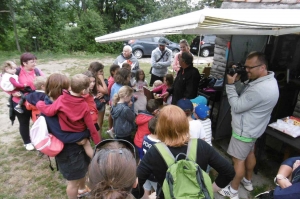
pixel 207 45
pixel 143 47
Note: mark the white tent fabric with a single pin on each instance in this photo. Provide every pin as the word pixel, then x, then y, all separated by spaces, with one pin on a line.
pixel 217 21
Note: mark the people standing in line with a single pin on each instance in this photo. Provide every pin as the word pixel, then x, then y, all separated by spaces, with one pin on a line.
pixel 72 161
pixel 127 57
pixel 100 90
pixel 33 97
pixel 111 80
pixel 184 47
pixel 251 109
pixel 139 81
pixel 160 61
pixel 142 119
pixel 27 74
pixel 172 128
pixel 196 129
pixel 123 116
pixel 70 119
pixel 187 80
pixel 112 173
pixel 148 142
pixel 168 82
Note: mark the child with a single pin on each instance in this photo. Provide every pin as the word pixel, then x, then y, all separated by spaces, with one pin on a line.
pixel 73 112
pixel 128 67
pixel 139 81
pixel 168 82
pixel 157 83
pixel 148 142
pixel 113 70
pixel 196 128
pixel 122 114
pixel 9 82
pixel 89 98
pixel 141 121
pixel 202 113
pixel 33 97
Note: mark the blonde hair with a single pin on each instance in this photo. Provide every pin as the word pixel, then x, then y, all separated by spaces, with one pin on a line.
pixel 172 126
pixel 124 91
pixel 39 81
pixel 79 82
pixel 8 64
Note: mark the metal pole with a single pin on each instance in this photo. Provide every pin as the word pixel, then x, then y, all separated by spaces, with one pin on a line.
pixel 34 37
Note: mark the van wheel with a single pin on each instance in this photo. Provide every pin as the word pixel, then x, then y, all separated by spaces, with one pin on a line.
pixel 138 53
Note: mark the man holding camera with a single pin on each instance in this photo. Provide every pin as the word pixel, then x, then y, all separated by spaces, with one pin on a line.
pixel 160 61
pixel 251 110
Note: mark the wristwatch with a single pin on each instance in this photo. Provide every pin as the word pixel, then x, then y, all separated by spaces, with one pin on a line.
pixel 279 177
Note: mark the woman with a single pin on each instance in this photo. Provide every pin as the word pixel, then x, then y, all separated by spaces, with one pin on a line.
pixel 100 89
pixel 173 129
pixel 112 173
pixel 72 161
pixel 184 47
pixel 27 74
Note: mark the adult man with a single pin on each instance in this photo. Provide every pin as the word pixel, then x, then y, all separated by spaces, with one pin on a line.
pixel 160 61
pixel 127 57
pixel 250 110
pixel 186 81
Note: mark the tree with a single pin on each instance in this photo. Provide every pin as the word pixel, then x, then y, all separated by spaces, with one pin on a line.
pixel 118 12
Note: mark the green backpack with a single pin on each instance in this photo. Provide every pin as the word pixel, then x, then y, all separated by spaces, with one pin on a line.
pixel 184 178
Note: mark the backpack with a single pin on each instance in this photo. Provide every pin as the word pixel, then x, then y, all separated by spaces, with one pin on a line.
pixel 42 140
pixel 184 178
pixel 36 71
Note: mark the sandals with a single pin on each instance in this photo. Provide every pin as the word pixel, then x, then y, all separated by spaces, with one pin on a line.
pixel 83 192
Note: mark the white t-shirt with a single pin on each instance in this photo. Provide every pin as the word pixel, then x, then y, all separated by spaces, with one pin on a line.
pixel 196 129
pixel 139 85
pixel 207 128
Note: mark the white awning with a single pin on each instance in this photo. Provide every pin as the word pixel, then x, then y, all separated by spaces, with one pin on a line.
pixel 217 21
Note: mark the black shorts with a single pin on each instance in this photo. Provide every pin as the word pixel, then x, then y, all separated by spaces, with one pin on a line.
pixel 73 165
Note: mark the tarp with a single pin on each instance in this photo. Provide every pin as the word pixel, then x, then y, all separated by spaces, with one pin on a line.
pixel 217 21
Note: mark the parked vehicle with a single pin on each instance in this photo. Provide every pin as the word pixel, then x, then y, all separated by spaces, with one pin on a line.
pixel 144 46
pixel 207 45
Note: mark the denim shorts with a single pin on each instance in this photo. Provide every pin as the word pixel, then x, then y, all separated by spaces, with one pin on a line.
pixel 73 166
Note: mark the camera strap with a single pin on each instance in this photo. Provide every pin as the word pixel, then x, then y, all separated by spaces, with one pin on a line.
pixel 162 55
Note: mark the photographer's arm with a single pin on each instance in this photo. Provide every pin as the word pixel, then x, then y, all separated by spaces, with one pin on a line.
pixel 245 101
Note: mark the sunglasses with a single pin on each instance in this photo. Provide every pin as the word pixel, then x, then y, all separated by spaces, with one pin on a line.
pixel 127 144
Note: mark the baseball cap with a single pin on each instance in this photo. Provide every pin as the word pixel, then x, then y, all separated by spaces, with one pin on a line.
pixel 162 41
pixel 185 104
pixel 202 111
pixel 199 100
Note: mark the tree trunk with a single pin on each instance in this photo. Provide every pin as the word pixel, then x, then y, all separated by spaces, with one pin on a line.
pixel 15 27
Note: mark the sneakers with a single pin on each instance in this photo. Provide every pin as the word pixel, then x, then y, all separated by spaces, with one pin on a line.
pixel 226 192
pixel 19 109
pixel 247 185
pixel 84 192
pixel 29 147
pixel 111 133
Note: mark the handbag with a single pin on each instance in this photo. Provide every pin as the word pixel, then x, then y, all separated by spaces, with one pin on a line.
pixel 42 140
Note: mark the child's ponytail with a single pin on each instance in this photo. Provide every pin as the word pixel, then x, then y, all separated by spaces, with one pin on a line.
pixel 123 92
pixel 116 99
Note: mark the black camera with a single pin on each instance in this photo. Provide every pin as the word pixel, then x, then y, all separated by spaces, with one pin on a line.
pixel 239 69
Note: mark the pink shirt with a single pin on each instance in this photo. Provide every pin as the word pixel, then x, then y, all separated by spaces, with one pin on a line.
pixel 163 88
pixel 175 64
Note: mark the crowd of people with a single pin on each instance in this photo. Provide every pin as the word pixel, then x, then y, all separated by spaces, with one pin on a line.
pixel 127 166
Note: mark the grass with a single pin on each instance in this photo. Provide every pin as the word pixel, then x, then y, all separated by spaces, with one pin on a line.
pixel 25 174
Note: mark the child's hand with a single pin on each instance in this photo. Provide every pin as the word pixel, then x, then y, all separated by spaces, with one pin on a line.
pixel 16 94
pixel 101 77
pixel 99 95
pixel 25 85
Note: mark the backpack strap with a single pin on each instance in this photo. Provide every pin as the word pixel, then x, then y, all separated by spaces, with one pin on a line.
pixel 36 71
pixel 192 149
pixel 165 153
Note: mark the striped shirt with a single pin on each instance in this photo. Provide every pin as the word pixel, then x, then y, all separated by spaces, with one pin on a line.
pixel 207 129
